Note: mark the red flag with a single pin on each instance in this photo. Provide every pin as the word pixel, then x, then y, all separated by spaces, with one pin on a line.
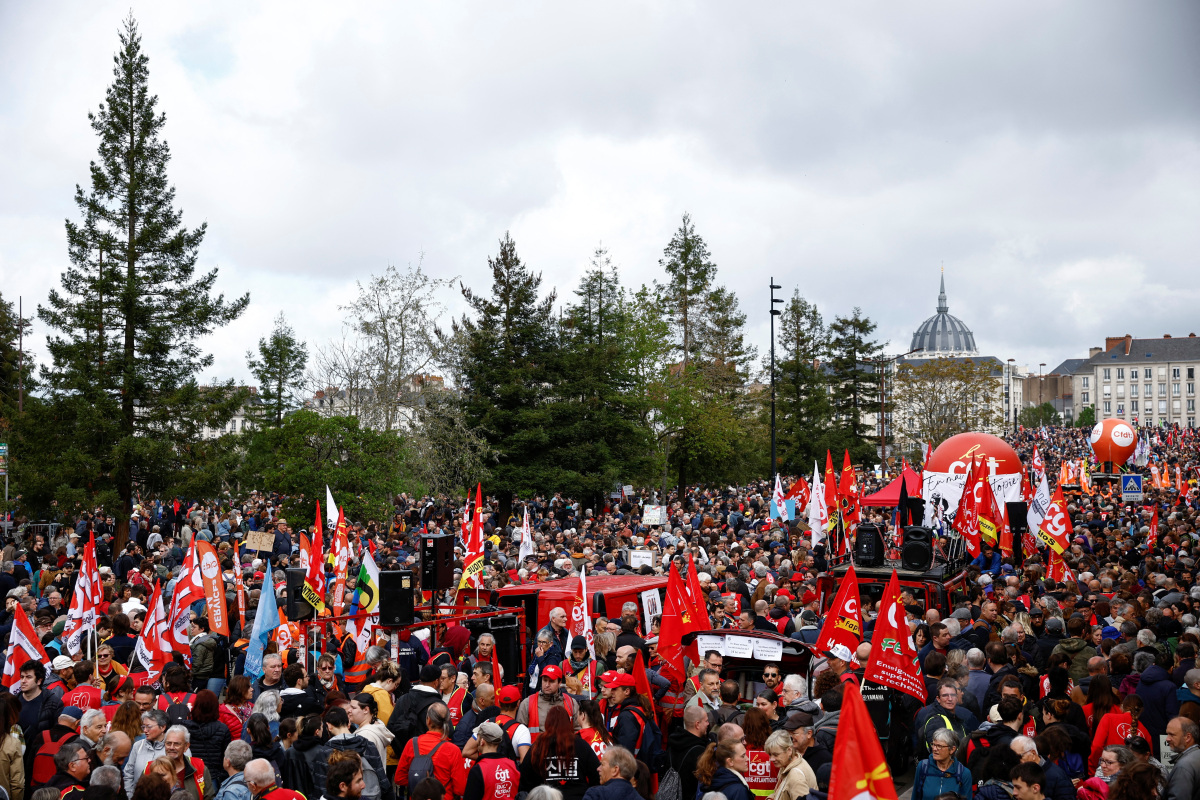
pixel 153 648
pixel 800 492
pixel 472 576
pixel 1006 542
pixel 987 509
pixel 966 518
pixel 239 583
pixel 676 621
pixel 831 501
pixel 1038 465
pixel 89 592
pixel 843 620
pixel 848 496
pixel 860 771
pixel 1055 530
pixel 1152 538
pixel 23 645
pixel 497 676
pixel 313 590
pixel 643 682
pixel 305 550
pixel 699 615
pixel 341 563
pixel 1057 569
pixel 893 660
pixel 213 586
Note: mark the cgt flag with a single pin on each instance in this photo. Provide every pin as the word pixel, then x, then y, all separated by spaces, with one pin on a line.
pixel 23 645
pixel 313 590
pixel 844 623
pixel 676 621
pixel 1055 530
pixel 860 772
pixel 966 518
pixel 893 660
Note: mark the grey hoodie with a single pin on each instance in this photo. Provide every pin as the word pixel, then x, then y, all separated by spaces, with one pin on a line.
pixel 143 752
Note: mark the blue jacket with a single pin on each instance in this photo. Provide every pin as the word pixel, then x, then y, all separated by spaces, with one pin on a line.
pixel 992 567
pixel 616 789
pixel 728 783
pixel 1058 784
pixel 930 781
pixel 234 788
pixel 1159 694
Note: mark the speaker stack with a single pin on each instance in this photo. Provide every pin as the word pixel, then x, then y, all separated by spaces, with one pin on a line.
pixel 297 607
pixel 1018 523
pixel 437 562
pixel 868 546
pixel 396 598
pixel 916 553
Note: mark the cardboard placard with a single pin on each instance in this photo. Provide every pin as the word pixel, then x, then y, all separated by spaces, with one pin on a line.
pixel 651 606
pixel 768 650
pixel 705 643
pixel 739 646
pixel 641 558
pixel 260 540
pixel 654 515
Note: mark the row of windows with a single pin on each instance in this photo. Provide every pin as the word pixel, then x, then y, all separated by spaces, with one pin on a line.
pixel 1148 407
pixel 1162 389
pixel 1147 373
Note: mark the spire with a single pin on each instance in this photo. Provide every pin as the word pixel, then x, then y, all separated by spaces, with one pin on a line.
pixel 942 308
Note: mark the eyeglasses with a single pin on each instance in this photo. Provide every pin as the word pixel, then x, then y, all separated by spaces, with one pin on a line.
pixel 1112 762
pixel 938 746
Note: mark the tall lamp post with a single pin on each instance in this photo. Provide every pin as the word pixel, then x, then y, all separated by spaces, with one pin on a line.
pixel 774 313
pixel 1012 403
pixel 1041 382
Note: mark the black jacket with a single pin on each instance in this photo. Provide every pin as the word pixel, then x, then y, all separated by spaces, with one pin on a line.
pixel 572 778
pixel 1045 646
pixel 304 766
pixel 408 717
pixel 684 750
pixel 208 743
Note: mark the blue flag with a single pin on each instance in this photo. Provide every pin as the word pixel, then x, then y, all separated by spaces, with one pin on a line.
pixel 266 619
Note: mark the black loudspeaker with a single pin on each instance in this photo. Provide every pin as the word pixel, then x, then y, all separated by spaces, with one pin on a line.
pixel 916 552
pixel 437 562
pixel 868 546
pixel 396 597
pixel 916 510
pixel 297 607
pixel 1018 517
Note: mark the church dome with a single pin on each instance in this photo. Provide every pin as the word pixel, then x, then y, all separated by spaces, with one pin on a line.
pixel 943 334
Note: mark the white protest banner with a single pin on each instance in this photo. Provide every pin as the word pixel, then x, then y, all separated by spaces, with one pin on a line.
pixel 739 647
pixel 705 643
pixel 641 558
pixel 651 606
pixel 768 650
pixel 654 515
pixel 943 490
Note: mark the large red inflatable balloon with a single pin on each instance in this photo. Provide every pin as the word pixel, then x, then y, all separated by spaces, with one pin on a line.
pixel 1113 440
pixel 955 454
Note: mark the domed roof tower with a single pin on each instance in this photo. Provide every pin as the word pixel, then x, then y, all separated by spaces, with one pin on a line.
pixel 943 334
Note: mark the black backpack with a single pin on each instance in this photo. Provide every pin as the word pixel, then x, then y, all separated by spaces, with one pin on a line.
pixel 421 766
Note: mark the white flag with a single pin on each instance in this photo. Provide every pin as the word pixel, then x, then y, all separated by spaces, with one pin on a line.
pixel 331 509
pixel 818 515
pixel 23 645
pixel 526 540
pixel 778 498
pixel 1039 505
pixel 89 592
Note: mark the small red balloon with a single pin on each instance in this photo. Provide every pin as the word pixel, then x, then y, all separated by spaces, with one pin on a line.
pixel 1113 440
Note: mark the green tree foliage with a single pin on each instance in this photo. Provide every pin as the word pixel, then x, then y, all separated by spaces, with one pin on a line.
pixel 854 382
pixel 690 273
pixel 1087 417
pixel 1036 416
pixel 127 320
pixel 298 458
pixel 508 367
pixel 279 369
pixel 801 388
pixel 936 398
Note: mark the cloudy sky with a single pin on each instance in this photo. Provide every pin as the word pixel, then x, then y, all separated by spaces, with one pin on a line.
pixel 1048 154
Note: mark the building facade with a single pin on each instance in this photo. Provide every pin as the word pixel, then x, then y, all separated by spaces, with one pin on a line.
pixel 1149 382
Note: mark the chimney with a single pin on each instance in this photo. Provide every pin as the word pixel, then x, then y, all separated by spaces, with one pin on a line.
pixel 1166 336
pixel 1128 343
pixel 1094 351
pixel 1191 336
pixel 1112 341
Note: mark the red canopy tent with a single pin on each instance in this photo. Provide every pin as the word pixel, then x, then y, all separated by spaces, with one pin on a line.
pixel 890 495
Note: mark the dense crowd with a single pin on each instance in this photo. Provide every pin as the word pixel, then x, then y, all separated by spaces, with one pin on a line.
pixel 1080 687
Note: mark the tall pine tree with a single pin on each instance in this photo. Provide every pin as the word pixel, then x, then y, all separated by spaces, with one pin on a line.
pixel 802 390
pixel 855 382
pixel 279 369
pixel 131 309
pixel 507 366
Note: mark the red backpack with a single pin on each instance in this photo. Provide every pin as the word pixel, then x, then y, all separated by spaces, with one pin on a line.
pixel 43 760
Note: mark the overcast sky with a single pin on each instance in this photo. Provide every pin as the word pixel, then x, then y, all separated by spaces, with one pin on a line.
pixel 1048 154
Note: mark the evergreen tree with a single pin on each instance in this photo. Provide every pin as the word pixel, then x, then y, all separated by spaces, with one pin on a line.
pixel 802 391
pixel 131 309
pixel 507 366
pixel 11 365
pixel 855 382
pixel 279 369
pixel 690 272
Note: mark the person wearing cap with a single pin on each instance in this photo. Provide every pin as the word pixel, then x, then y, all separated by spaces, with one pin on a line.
pixel 841 663
pixel 579 668
pixel 628 716
pixel 809 628
pixel 507 699
pixel 1050 639
pixel 536 706
pixel 493 775
pixel 64 676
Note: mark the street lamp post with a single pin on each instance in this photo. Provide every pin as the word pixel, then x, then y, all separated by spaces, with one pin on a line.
pixel 774 313
pixel 1041 383
pixel 1012 403
pixel 883 406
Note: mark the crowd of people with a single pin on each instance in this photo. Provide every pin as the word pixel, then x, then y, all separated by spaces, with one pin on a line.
pixel 1036 687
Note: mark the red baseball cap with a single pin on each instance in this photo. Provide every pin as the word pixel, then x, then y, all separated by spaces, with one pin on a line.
pixel 608 677
pixel 508 695
pixel 621 679
pixel 552 672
